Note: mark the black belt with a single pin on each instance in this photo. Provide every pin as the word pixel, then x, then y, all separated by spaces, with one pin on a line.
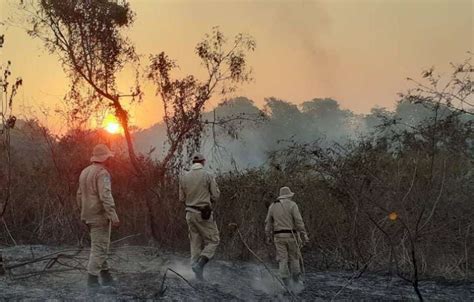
pixel 284 232
pixel 200 209
pixel 193 207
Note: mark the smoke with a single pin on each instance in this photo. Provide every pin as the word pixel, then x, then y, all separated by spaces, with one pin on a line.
pixel 183 268
pixel 250 134
pixel 263 281
pixel 307 23
pixel 267 284
pixel 255 275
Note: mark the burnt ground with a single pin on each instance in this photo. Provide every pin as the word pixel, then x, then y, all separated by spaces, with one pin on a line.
pixel 140 272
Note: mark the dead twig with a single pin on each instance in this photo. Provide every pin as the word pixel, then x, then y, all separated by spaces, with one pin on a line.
pixel 39 273
pixel 437 199
pixel 52 259
pixel 163 288
pixel 125 238
pixel 184 279
pixel 8 231
pixel 234 225
pixel 48 257
pixel 356 275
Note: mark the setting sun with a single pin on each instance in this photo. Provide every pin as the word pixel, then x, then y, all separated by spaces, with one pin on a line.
pixel 111 124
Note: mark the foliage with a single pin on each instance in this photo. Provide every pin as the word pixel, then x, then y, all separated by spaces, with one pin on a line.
pixel 86 35
pixel 406 193
pixel 7 124
pixel 398 199
pixel 346 194
pixel 456 92
pixel 184 99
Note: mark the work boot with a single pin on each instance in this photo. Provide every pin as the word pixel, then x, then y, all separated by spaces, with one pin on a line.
pixel 106 278
pixel 198 267
pixel 298 283
pixel 93 282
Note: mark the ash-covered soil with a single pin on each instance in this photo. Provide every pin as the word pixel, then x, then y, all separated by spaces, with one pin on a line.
pixel 140 270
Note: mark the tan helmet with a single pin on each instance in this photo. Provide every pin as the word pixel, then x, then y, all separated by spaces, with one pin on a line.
pixel 285 192
pixel 101 153
pixel 198 157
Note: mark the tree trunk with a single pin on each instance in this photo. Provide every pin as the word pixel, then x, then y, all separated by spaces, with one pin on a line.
pixel 122 115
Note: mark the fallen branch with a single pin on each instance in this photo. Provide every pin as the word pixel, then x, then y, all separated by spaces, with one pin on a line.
pixel 48 257
pixel 52 259
pixel 79 266
pixel 125 238
pixel 179 275
pixel 236 226
pixel 39 273
pixel 163 289
pixel 356 275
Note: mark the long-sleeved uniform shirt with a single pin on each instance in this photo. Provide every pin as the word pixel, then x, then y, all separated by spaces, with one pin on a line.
pixel 284 215
pixel 94 196
pixel 198 188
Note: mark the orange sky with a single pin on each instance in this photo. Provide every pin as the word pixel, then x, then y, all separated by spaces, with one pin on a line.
pixel 356 51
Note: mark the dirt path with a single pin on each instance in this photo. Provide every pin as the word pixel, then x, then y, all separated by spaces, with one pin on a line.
pixel 140 271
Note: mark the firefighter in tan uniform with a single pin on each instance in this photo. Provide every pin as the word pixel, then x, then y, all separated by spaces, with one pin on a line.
pixel 198 190
pixel 285 225
pixel 95 200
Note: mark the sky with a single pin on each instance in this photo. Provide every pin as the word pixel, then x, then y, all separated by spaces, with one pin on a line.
pixel 359 52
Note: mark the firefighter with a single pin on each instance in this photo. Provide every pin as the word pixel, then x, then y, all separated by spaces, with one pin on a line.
pixel 285 226
pixel 96 202
pixel 198 190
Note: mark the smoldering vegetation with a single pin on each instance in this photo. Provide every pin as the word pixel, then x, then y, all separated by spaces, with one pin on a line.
pixel 240 135
pixel 141 277
pixel 393 194
pixel 386 196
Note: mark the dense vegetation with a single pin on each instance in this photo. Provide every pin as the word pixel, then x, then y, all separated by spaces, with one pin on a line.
pixel 370 201
pixel 390 190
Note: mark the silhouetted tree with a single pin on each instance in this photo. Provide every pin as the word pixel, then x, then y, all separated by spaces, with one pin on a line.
pixel 184 100
pixel 8 91
pixel 455 92
pixel 86 36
